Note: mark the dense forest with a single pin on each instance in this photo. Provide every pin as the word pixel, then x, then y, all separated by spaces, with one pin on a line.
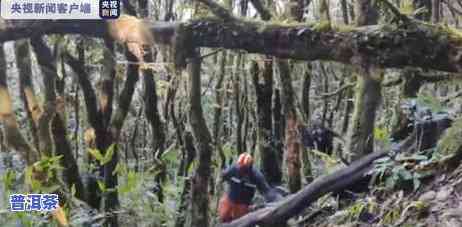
pixel 335 112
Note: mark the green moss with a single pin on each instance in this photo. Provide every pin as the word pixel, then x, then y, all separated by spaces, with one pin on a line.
pixel 322 26
pixel 453 34
pixel 451 143
pixel 282 23
pixel 407 8
pixel 344 28
pixel 391 216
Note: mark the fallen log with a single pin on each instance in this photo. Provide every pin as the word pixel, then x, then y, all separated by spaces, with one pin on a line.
pixel 294 204
pixel 417 44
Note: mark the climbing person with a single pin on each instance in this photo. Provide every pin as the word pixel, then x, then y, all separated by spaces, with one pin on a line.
pixel 319 137
pixel 243 179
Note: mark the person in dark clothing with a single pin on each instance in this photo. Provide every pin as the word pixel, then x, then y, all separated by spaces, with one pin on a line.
pixel 244 180
pixel 319 137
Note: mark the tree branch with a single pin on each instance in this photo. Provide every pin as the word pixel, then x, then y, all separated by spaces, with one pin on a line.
pixel 47 65
pixel 89 94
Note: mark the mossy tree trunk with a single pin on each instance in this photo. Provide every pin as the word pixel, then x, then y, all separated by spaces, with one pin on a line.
pixel 24 64
pixel 411 83
pixel 104 136
pixel 93 196
pixel 199 205
pixel 237 101
pixel 383 45
pixel 367 99
pixel 114 127
pixel 46 116
pixel 48 64
pixel 269 141
pixel 152 113
pixel 263 83
pixel 219 99
pixel 107 126
pixel 13 137
pixel 450 146
pixel 360 138
pixel 292 137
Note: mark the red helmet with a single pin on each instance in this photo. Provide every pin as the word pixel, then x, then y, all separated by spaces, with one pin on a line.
pixel 245 160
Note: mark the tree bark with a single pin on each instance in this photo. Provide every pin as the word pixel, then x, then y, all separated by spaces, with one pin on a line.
pixel 436 7
pixel 278 127
pixel 384 45
pixel 50 74
pixel 23 62
pixel 157 125
pixel 199 205
pixel 264 92
pixel 368 97
pixel 13 137
pixel 237 102
pixel 306 93
pixel 368 94
pixel 219 96
pixel 293 139
pixel 104 134
pixel 111 201
pixel 450 145
pixel 58 133
pixel 93 196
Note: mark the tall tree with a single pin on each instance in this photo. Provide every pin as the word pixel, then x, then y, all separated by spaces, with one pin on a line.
pixel 368 93
pixel 199 205
pixel 24 64
pixel 292 137
pixel 263 83
pixel 150 97
pixel 268 140
pixel 13 137
pixel 48 65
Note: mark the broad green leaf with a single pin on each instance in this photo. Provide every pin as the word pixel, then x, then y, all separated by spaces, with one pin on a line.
pixel 96 154
pixel 9 178
pixel 120 169
pixel 170 155
pixel 101 186
pixel 108 155
pixel 132 181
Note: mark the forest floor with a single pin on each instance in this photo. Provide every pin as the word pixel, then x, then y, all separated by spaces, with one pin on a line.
pixel 437 203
